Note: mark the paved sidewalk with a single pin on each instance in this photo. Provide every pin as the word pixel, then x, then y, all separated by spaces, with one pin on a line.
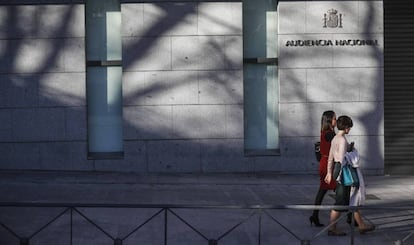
pixel 390 206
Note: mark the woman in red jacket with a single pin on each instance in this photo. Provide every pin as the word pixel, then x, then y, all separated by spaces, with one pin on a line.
pixel 328 123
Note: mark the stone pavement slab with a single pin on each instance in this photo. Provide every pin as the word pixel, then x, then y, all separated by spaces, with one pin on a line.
pixel 390 206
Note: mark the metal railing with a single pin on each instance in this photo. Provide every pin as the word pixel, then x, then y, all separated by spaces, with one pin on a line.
pixel 165 212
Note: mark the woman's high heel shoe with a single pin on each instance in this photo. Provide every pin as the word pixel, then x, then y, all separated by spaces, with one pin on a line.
pixel 336 233
pixel 315 220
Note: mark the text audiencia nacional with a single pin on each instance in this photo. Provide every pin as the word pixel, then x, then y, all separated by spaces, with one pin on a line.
pixel 342 42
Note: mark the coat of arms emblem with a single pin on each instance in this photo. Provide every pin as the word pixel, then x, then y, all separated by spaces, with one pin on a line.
pixel 332 19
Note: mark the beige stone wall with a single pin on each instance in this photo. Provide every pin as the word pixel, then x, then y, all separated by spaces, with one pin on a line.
pixel 336 68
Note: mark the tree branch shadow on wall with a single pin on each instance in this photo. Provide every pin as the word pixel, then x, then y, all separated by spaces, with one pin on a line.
pixel 219 83
pixel 37 91
pixel 367 120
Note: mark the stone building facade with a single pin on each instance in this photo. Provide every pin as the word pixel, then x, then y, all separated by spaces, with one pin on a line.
pixel 185 98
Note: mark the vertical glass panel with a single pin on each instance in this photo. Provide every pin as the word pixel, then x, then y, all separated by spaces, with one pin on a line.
pixel 260 80
pixel 104 83
pixel 114 39
pixel 272 115
pixel 261 107
pixel 272 81
pixel 103 28
pixel 254 29
pixel 271 30
pixel 255 106
pixel 104 109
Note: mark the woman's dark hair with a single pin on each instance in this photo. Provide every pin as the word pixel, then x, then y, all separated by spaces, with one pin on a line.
pixel 326 120
pixel 344 122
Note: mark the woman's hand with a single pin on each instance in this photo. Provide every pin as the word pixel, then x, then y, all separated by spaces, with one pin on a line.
pixel 328 178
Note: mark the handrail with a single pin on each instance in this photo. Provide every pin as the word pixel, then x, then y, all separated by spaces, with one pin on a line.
pixel 201 206
pixel 169 209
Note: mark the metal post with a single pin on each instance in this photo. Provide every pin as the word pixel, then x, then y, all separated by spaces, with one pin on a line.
pixel 260 226
pixel 117 241
pixel 165 226
pixel 71 226
pixel 24 241
pixel 212 242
